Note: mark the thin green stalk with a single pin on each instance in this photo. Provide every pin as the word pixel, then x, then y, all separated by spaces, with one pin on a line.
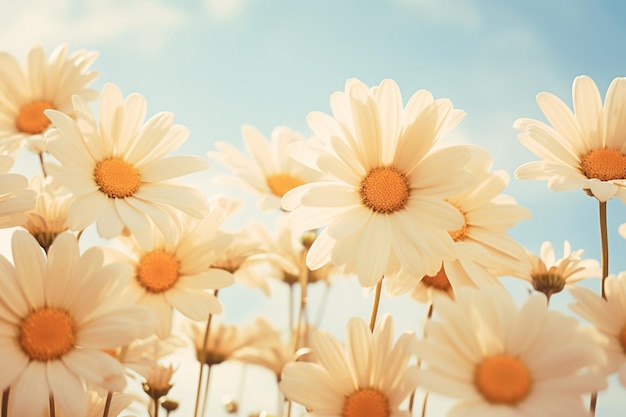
pixel 5 402
pixel 205 400
pixel 604 241
pixel 107 404
pixel 156 407
pixel 379 287
pixel 429 315
pixel 605 245
pixel 43 167
pixel 53 412
pixel 202 359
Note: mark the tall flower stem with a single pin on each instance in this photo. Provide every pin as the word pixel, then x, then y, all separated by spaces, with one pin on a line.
pixel 379 288
pixel 202 359
pixel 53 412
pixel 107 404
pixel 205 399
pixel 605 245
pixel 604 240
pixel 43 167
pixel 156 407
pixel 429 315
pixel 304 282
pixel 5 402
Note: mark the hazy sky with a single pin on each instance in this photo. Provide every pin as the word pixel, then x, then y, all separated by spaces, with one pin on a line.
pixel 220 64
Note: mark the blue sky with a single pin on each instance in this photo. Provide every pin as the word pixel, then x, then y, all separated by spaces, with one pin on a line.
pixel 219 64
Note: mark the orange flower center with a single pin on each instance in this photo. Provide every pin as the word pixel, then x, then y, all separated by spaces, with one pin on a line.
pixel 385 190
pixel 366 402
pixel 158 271
pixel 438 282
pixel 460 234
pixel 502 379
pixel 604 164
pixel 117 178
pixel 47 334
pixel 31 118
pixel 281 183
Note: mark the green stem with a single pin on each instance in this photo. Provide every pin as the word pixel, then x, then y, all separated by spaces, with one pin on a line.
pixel 107 404
pixel 604 241
pixel 43 167
pixel 53 412
pixel 5 402
pixel 205 400
pixel 379 287
pixel 605 245
pixel 202 359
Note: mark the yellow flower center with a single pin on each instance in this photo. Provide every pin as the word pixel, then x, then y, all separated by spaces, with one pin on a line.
pixel 366 402
pixel 117 178
pixel 47 334
pixel 502 379
pixel 31 118
pixel 604 164
pixel 438 282
pixel 385 190
pixel 158 271
pixel 281 183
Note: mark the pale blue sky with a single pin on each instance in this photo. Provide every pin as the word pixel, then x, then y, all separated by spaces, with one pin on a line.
pixel 219 64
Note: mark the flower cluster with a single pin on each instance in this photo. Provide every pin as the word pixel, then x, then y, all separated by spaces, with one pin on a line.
pixel 98 325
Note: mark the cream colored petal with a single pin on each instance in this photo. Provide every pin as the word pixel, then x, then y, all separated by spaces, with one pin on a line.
pixel 30 395
pixel 359 348
pixel 588 111
pixel 374 250
pixel 258 146
pixel 114 328
pixel 195 304
pixel 311 385
pixel 96 367
pixel 172 167
pixel 563 120
pixel 67 389
pixel 86 209
pixel 14 360
pixel 60 276
pixel 332 356
pixel 185 199
pixel 30 267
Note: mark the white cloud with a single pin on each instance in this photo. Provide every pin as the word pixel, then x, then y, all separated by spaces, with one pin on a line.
pixel 454 12
pixel 225 9
pixel 142 24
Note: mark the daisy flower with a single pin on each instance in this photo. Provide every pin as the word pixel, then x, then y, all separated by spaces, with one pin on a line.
pixel 177 275
pixel 484 249
pixel 608 318
pixel 44 84
pixel 550 275
pixel 49 217
pixel 286 255
pixel 117 169
pixel 383 205
pixel 371 376
pixel 224 339
pixel 584 149
pixel 56 318
pixel 269 172
pixel 270 351
pixel 499 360
pixel 15 197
